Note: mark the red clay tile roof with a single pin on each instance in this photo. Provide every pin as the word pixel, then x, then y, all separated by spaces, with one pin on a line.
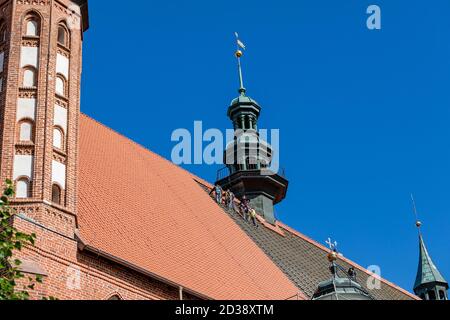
pixel 140 208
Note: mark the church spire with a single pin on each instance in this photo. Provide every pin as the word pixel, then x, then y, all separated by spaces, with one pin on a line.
pixel 430 284
pixel 249 171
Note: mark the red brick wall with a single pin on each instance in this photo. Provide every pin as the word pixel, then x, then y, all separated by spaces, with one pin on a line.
pixel 56 250
pixel 99 279
pixel 7 123
pixel 51 13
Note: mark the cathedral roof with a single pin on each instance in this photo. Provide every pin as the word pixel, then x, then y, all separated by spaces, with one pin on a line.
pixel 142 209
pixel 427 272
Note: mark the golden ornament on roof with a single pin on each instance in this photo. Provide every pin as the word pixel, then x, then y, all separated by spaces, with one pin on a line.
pixel 332 256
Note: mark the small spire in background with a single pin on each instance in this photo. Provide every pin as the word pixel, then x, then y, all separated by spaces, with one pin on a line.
pixel 429 284
pixel 239 53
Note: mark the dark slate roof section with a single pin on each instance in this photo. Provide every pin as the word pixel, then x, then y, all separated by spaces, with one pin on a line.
pixel 305 262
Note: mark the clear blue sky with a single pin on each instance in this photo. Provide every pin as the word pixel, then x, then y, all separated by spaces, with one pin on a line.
pixel 364 115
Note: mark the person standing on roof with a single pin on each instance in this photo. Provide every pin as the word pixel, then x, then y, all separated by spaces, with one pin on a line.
pixel 218 191
pixel 230 200
pixel 253 217
pixel 226 194
pixel 245 207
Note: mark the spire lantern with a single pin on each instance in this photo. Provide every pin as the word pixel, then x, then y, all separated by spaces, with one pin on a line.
pixel 248 158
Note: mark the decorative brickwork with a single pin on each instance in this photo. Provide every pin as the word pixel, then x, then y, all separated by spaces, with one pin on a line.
pixel 71 272
pixel 49 15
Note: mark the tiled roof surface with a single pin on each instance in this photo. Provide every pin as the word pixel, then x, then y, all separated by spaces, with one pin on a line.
pixel 142 209
pixel 305 262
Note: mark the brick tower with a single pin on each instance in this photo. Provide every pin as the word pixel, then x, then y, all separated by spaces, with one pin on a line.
pixel 40 73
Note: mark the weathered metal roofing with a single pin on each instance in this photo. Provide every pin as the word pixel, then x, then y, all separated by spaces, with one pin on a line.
pixel 427 271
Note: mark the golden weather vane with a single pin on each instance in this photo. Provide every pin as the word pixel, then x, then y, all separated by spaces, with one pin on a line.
pixel 332 256
pixel 239 53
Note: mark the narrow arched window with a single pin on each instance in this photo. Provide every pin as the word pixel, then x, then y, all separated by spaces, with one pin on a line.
pixel 60 85
pixel 115 297
pixel 63 35
pixel 32 28
pixel 432 295
pixel 442 295
pixel 2 32
pixel 29 77
pixel 23 188
pixel 58 138
pixel 249 122
pixel 264 164
pixel 26 131
pixel 252 163
pixel 56 194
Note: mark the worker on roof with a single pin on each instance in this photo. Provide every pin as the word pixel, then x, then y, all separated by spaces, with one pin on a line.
pixel 229 197
pixel 253 217
pixel 218 192
pixel 245 207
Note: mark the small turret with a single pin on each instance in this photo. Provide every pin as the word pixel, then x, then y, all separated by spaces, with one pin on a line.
pixel 342 285
pixel 430 284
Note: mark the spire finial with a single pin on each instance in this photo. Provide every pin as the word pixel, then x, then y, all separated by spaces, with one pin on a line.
pixel 239 53
pixel 418 222
pixel 333 254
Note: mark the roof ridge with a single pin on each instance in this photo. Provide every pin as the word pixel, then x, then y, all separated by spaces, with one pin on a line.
pixel 354 264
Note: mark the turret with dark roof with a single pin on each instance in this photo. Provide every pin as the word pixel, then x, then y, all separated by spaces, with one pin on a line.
pixel 430 284
pixel 249 158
